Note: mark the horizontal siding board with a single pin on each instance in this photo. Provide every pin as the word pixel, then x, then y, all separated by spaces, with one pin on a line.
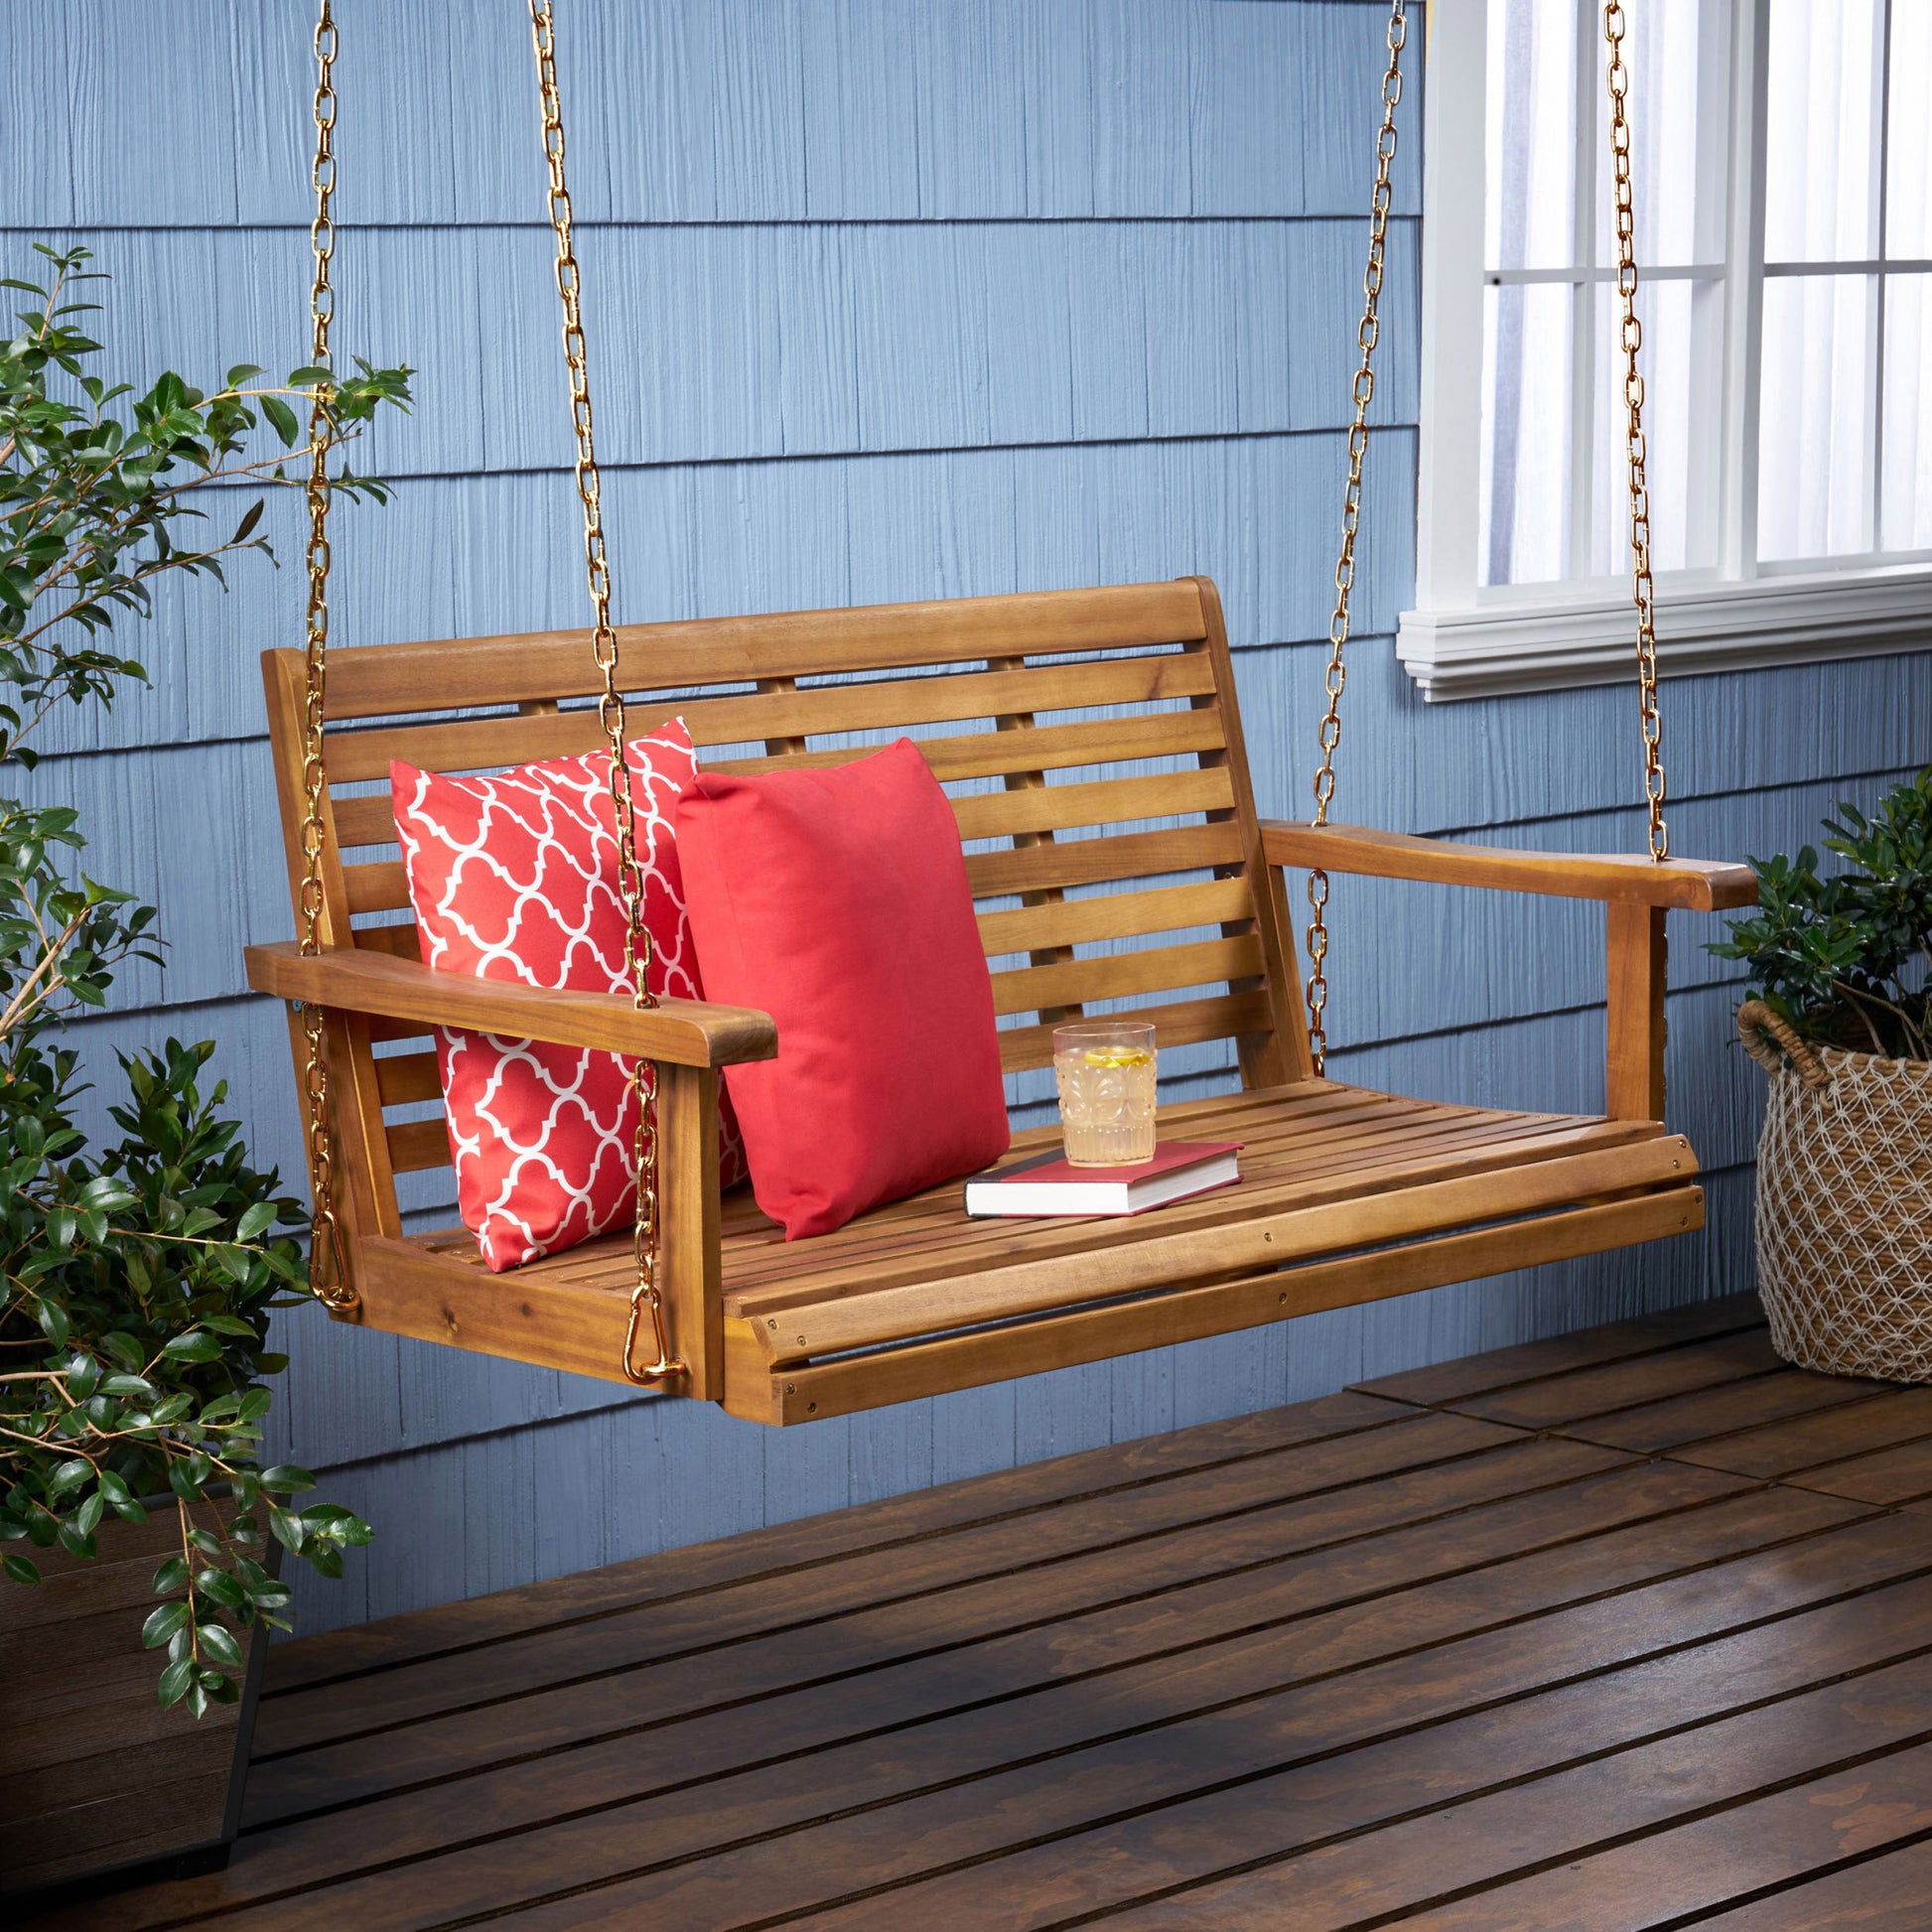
pixel 725 344
pixel 490 555
pixel 1494 762
pixel 730 111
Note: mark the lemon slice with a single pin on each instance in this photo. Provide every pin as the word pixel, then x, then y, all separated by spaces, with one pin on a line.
pixel 1112 1057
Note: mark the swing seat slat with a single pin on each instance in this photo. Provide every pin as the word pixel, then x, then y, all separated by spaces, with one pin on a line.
pixel 1093 745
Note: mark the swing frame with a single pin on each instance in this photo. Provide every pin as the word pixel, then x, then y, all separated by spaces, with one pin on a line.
pixel 916 1298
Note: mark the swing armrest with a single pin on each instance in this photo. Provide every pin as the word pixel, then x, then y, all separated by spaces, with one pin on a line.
pixel 681 1033
pixel 1697 885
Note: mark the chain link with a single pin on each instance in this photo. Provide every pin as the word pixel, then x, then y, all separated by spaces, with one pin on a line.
pixel 1351 513
pixel 329 1274
pixel 1630 339
pixel 644 1296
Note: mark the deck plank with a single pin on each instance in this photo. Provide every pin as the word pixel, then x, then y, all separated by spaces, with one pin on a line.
pixel 1891 1892
pixel 1785 1450
pixel 1678 1421
pixel 1602 1632
pixel 1902 1474
pixel 1587 1394
pixel 1534 1362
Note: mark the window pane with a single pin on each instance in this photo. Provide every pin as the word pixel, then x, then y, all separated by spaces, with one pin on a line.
pixel 1526 414
pixel 1677 51
pixel 1820 191
pixel 1680 359
pixel 1814 430
pixel 1531 217
pixel 1905 490
pixel 1908 151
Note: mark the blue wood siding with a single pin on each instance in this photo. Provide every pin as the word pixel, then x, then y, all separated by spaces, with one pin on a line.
pixel 887 299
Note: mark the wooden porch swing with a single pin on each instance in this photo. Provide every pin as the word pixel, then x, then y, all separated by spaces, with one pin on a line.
pixel 1347 1195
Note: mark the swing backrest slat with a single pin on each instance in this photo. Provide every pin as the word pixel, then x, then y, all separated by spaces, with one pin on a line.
pixel 1089 739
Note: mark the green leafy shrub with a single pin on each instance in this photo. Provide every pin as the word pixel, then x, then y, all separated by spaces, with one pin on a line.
pixel 1844 956
pixel 137 1277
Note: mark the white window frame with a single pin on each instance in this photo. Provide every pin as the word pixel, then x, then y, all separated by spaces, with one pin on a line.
pixel 1465 640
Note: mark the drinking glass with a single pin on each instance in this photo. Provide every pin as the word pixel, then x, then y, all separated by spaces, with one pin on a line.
pixel 1105 1070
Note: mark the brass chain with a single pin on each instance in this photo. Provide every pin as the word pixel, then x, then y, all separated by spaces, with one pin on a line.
pixel 1630 337
pixel 328 1278
pixel 644 1296
pixel 1351 510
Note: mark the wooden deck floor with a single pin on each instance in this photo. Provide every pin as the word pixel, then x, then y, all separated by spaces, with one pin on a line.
pixel 1627 1629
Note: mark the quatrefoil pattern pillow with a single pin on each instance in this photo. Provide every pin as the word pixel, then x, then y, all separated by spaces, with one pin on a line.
pixel 514 877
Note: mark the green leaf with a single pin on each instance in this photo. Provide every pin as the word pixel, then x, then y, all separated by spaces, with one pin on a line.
pixel 286 1479
pixel 197 1345
pixel 53 1321
pixel 175 1679
pixel 21 1569
pixel 258 1218
pixel 218 1643
pixel 338 1524
pixel 70 1475
pixel 282 418
pixel 123 1348
pixel 163 1623
pixel 219 1586
pixel 171 1577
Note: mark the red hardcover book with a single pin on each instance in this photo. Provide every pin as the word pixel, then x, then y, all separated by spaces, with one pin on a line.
pixel 1050 1184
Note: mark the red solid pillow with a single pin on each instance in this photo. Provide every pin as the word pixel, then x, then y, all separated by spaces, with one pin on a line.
pixel 514 877
pixel 836 901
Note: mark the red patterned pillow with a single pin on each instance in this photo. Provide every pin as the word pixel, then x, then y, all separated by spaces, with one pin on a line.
pixel 514 877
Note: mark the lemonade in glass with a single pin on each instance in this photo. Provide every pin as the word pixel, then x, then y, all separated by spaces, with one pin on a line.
pixel 1106 1072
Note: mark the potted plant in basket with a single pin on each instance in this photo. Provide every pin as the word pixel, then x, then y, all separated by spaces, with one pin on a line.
pixel 1840 1013
pixel 139 1531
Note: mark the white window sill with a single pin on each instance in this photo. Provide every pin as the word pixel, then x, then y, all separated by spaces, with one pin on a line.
pixel 1590 637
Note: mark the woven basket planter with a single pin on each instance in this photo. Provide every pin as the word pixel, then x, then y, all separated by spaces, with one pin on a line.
pixel 1844 1204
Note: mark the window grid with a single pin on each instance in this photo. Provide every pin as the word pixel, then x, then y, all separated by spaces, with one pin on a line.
pixel 1589 271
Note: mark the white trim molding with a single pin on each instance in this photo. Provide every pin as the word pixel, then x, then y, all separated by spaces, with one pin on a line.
pixel 1731 609
pixel 1521 645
